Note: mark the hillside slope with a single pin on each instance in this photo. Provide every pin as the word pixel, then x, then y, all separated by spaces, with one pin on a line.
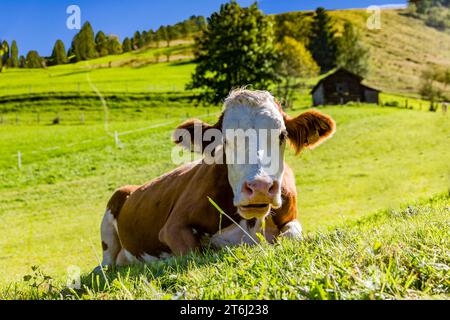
pixel 145 70
pixel 400 50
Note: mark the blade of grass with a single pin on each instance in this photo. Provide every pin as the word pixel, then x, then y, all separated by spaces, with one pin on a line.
pixel 237 224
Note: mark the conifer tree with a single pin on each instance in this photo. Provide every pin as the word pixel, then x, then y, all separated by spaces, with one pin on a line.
pixel 322 41
pixel 14 56
pixel 101 44
pixel 59 54
pixel 83 44
pixel 126 45
pixel 33 60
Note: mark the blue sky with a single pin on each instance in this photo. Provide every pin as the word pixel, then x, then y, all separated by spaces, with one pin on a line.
pixel 36 25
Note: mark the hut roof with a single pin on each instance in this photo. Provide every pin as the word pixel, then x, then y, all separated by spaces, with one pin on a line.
pixel 342 70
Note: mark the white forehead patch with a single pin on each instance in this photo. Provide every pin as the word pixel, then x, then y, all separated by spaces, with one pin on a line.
pixel 247 109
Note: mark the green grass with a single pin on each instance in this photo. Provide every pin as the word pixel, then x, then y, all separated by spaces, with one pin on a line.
pixel 406 102
pixel 87 108
pixel 51 208
pixel 394 254
pixel 176 49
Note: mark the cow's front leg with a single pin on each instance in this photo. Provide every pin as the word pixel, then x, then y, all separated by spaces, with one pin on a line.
pixel 180 239
pixel 234 235
pixel 292 230
pixel 230 236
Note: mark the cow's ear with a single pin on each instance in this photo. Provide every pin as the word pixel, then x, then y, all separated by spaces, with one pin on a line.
pixel 309 129
pixel 196 135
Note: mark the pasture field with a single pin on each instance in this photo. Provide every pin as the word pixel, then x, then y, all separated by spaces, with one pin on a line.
pixel 51 209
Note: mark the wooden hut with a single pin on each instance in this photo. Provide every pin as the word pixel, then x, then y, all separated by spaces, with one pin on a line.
pixel 341 87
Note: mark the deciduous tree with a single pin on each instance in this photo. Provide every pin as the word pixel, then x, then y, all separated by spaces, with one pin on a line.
pixel 114 46
pixel 295 62
pixel 430 87
pixel 235 49
pixel 4 54
pixel 353 54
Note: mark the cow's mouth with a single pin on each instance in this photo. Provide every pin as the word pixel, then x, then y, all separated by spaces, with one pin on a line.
pixel 254 210
pixel 256 205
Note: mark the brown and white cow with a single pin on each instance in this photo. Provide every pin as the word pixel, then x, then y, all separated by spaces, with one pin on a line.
pixel 172 213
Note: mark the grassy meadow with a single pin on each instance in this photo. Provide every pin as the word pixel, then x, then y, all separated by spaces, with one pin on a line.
pixel 373 200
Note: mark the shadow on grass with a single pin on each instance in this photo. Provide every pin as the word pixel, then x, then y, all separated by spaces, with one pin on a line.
pixel 99 281
pixel 71 73
pixel 181 62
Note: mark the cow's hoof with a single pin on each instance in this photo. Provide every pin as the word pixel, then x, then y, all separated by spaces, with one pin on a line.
pixel 219 242
pixel 100 270
pixel 291 230
pixel 205 240
pixel 165 255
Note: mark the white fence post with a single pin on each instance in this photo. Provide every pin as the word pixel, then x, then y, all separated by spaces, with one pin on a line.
pixel 116 138
pixel 19 160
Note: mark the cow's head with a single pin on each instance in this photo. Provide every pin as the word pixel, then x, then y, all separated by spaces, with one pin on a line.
pixel 252 131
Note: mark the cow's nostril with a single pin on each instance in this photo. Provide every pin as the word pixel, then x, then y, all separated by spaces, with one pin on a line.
pixel 260 187
pixel 247 189
pixel 273 188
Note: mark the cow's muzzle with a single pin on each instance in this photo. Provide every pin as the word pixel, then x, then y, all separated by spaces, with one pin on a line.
pixel 258 197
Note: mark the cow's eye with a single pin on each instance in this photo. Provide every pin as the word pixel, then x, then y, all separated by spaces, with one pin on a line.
pixel 283 136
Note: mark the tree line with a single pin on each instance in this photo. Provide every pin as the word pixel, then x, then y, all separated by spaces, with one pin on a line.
pixel 242 46
pixel 435 13
pixel 86 45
